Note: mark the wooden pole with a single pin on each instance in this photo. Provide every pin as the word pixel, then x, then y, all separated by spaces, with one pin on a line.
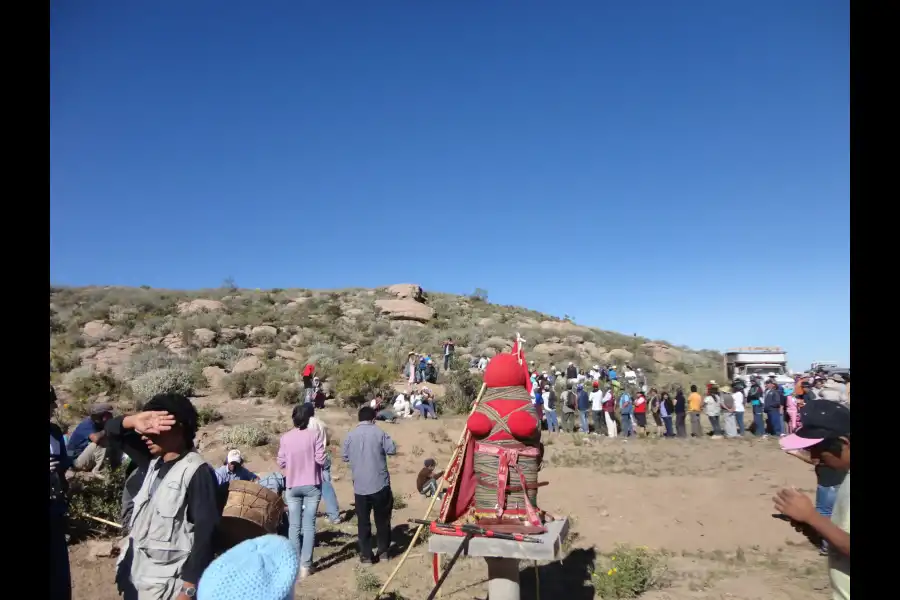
pixel 104 521
pixel 434 498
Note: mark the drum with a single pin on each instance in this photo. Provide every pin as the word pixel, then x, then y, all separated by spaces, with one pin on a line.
pixel 250 511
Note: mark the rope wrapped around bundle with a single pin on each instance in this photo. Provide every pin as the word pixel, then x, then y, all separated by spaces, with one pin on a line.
pixel 506 465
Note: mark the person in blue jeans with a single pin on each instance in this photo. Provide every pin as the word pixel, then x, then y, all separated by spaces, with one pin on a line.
pixel 301 456
pixel 549 397
pixel 329 496
pixel 626 409
pixel 772 406
pixel 584 407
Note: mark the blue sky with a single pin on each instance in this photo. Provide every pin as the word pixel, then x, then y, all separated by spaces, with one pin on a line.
pixel 678 170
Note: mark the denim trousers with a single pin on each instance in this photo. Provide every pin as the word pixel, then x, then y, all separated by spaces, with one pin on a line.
pixel 667 421
pixel 60 580
pixel 583 414
pixel 600 423
pixel 552 420
pixel 332 508
pixel 759 425
pixel 627 427
pixel 739 420
pixel 302 502
pixel 776 421
pixel 825 498
pixel 714 423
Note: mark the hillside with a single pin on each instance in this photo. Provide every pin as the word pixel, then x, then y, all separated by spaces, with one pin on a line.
pixel 218 333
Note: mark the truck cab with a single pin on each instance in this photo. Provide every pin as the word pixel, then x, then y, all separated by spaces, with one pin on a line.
pixel 764 362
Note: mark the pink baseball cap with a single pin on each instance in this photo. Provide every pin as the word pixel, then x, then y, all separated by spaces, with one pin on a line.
pixel 822 419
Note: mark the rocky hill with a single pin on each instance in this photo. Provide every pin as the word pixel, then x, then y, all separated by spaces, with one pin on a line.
pixel 103 338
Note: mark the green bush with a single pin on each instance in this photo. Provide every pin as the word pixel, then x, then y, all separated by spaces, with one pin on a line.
pixel 629 572
pixel 163 381
pixel 462 389
pixel 242 385
pixel 245 435
pixel 354 382
pixel 99 498
pixel 291 393
pixel 223 357
pixel 84 383
pixel 207 415
pixel 151 359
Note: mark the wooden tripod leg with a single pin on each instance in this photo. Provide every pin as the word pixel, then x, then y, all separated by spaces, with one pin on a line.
pixel 434 498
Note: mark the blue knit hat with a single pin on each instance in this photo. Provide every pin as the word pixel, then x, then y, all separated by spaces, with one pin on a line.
pixel 263 568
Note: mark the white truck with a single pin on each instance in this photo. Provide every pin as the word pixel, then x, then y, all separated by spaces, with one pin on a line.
pixel 765 361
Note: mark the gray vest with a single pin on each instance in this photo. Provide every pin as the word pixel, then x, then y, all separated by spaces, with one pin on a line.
pixel 161 537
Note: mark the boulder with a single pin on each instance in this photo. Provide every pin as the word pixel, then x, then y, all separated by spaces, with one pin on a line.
pixel 200 305
pixel 406 291
pixel 98 330
pixel 263 331
pixel 204 338
pixel 229 334
pixel 405 310
pixel 620 354
pixel 214 376
pixel 247 365
pixel 662 353
pixel 287 355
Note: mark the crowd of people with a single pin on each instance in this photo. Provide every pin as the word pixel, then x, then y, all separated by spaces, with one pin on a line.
pixel 172 498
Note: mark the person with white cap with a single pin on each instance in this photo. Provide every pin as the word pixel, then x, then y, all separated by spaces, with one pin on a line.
pixel 233 469
pixel 825 436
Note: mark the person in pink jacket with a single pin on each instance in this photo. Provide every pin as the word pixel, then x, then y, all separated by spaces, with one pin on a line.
pixel 301 456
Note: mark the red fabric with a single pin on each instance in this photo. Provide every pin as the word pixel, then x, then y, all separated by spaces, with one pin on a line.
pixel 522 425
pixel 308 370
pixel 479 425
pixel 462 496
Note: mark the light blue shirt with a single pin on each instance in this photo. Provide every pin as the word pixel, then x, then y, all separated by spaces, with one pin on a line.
pixel 366 448
pixel 622 400
pixel 223 475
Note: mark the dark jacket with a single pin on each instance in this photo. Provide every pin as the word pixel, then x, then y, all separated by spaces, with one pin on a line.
pixel 772 399
pixel 680 403
pixel 550 399
pixel 571 372
pixel 584 400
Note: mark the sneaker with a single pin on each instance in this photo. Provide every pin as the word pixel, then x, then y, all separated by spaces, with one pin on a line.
pixel 335 521
pixel 383 556
pixel 305 572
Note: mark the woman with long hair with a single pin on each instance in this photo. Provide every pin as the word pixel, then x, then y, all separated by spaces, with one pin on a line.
pixel 666 410
pixel 680 414
pixel 656 411
pixel 640 413
pixel 301 456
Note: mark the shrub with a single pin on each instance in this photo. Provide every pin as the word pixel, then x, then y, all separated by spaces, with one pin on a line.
pixel 163 381
pixel 84 383
pixel 291 393
pixel 223 357
pixel 462 389
pixel 354 381
pixel 629 572
pixel 245 435
pixel 242 385
pixel 64 358
pixel 207 415
pixel 152 358
pixel 99 498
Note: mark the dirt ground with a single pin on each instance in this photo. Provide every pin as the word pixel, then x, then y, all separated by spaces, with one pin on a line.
pixel 705 503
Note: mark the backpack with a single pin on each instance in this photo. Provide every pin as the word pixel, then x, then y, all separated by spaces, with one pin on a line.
pixel 570 399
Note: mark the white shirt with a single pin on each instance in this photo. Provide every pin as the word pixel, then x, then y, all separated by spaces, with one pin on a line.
pixel 630 376
pixel 596 400
pixel 738 401
pixel 400 401
pixel 315 423
pixel 838 565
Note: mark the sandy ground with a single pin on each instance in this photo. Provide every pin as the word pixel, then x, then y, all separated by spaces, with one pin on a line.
pixel 705 503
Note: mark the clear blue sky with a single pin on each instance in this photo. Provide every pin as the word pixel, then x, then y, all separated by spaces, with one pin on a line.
pixel 675 169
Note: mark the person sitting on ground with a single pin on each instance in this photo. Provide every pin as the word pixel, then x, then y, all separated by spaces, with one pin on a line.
pixel 233 469
pixel 262 568
pixel 88 447
pixel 428 479
pixel 426 405
pixel 178 496
pixel 825 435
pixel 402 406
pixel 382 413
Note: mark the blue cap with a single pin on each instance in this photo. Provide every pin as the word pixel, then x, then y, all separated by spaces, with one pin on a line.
pixel 263 568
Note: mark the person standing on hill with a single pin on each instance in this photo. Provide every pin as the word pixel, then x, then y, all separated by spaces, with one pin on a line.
pixel 626 409
pixel 772 406
pixel 680 414
pixel 449 348
pixel 584 407
pixel 666 410
pixel 755 396
pixel 366 448
pixel 549 396
pixel 569 406
pixel 596 399
pixel 609 412
pixel 738 396
pixel 695 407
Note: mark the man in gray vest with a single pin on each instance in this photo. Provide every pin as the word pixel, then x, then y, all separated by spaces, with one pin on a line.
pixel 175 512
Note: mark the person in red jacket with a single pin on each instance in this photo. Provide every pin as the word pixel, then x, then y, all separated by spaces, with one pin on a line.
pixel 640 413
